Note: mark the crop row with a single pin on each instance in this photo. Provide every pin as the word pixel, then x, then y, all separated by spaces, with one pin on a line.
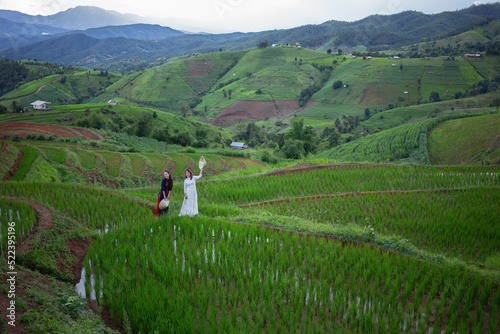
pixel 461 223
pixel 16 219
pixel 142 144
pixel 404 143
pixel 199 275
pixel 341 179
pixel 98 209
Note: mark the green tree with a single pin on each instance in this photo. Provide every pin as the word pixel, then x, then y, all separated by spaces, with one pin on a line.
pixel 339 51
pixel 144 125
pixel 183 138
pixel 329 51
pixel 161 134
pixel 337 84
pixel 3 109
pixel 302 133
pixel 184 108
pixel 263 44
pixel 337 122
pixel 293 149
pixel 297 130
pixel 434 97
pixel 15 106
pixel 367 113
pixel 333 139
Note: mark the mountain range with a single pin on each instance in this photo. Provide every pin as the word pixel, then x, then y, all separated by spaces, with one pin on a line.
pixel 91 36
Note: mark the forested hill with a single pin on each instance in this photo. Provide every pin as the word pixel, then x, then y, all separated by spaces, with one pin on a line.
pixel 374 32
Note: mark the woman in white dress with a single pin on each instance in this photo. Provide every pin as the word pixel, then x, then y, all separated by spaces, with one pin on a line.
pixel 190 204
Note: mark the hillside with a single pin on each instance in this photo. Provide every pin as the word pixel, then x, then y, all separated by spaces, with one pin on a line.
pixel 278 83
pixel 79 17
pixel 409 143
pixel 76 155
pixel 466 141
pixel 367 202
pixel 65 87
pixel 267 83
pixel 377 32
pixel 131 120
pixel 300 231
pixel 168 85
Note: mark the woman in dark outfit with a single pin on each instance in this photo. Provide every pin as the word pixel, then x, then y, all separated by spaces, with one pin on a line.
pixel 166 188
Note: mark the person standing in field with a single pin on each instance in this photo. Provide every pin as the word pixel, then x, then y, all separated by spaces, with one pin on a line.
pixel 165 190
pixel 190 203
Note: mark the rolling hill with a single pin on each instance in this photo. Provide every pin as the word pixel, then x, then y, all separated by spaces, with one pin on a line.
pixel 375 31
pixel 366 236
pixel 231 87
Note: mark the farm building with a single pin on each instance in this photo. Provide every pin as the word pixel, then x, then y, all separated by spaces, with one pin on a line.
pixel 40 105
pixel 113 102
pixel 473 55
pixel 238 146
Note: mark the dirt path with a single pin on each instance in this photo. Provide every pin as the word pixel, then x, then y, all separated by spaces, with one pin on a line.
pixel 165 166
pixel 190 165
pixel 43 222
pixel 37 91
pixel 120 167
pixel 224 164
pixel 4 147
pixel 15 167
pixel 144 166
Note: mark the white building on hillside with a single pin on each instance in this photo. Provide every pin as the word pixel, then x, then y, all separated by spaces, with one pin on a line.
pixel 238 146
pixel 40 105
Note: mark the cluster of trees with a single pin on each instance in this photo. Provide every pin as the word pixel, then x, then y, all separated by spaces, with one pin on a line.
pixel 309 91
pixel 300 140
pixel 482 87
pixel 15 73
pixel 146 125
pixel 14 106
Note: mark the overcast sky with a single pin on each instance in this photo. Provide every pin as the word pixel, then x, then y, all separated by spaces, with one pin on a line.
pixel 244 15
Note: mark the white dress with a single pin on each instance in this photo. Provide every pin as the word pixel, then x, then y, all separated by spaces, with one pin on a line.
pixel 190 205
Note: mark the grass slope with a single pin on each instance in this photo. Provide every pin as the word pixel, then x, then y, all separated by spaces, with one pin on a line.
pixel 165 86
pixel 405 143
pixel 466 141
pixel 379 82
pixel 62 89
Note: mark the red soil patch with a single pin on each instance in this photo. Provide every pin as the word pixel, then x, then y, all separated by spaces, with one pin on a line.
pixel 200 67
pixel 379 94
pixel 243 111
pixel 144 166
pixel 165 166
pixel 14 168
pixel 79 248
pixel 43 222
pixel 4 147
pixel 57 131
pixel 89 134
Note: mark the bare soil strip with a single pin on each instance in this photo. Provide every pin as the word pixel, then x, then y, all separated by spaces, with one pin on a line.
pixel 4 147
pixel 14 168
pixel 144 166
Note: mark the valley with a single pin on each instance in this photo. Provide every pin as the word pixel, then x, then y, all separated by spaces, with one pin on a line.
pixel 365 198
